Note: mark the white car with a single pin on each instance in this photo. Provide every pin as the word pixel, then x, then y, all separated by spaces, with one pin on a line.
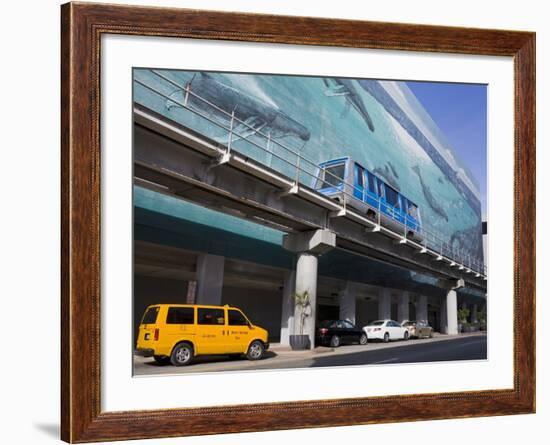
pixel 386 330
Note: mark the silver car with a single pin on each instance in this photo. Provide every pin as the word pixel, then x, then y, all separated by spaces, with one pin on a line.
pixel 418 329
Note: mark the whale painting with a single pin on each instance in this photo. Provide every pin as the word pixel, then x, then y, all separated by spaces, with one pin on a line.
pixel 344 87
pixel 253 113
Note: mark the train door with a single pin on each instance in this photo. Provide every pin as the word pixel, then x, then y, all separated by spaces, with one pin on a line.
pixel 409 211
pixel 403 210
pixel 385 207
pixel 391 201
pixel 371 190
pixel 359 182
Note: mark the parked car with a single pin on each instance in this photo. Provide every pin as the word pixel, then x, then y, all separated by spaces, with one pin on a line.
pixel 418 329
pixel 176 333
pixel 386 330
pixel 336 332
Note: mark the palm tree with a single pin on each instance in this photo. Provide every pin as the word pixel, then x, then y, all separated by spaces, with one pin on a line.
pixel 302 301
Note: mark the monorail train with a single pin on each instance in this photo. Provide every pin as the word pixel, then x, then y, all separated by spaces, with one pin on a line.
pixel 349 182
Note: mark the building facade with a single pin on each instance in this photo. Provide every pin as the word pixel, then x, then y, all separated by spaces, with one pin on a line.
pixel 186 252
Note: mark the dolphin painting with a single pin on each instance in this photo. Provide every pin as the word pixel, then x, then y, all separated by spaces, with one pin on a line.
pixel 429 197
pixel 469 240
pixel 253 113
pixel 394 171
pixel 388 176
pixel 344 87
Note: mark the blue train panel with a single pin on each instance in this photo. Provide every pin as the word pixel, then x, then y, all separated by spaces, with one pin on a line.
pixel 346 180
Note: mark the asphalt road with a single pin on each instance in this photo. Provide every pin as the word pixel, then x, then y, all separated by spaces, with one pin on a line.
pixel 468 347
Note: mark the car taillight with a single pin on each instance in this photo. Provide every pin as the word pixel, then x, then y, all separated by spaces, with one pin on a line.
pixel 323 331
pixel 157 331
pixel 377 329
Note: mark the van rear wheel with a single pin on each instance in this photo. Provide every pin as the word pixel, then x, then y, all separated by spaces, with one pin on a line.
pixel 182 354
pixel 255 350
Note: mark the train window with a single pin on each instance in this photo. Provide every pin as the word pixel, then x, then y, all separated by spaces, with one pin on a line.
pixel 333 175
pixel 372 182
pixel 392 196
pixel 404 204
pixel 381 189
pixel 359 176
pixel 413 210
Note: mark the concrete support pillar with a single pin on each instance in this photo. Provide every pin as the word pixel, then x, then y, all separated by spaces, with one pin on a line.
pixel 384 304
pixel 287 312
pixel 422 308
pixel 473 314
pixel 449 313
pixel 348 303
pixel 403 307
pixel 308 245
pixel 210 279
pixel 306 280
pixel 443 316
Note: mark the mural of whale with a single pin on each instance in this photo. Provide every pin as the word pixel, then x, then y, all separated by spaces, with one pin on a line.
pixel 344 87
pixel 256 114
pixel 469 239
pixel 429 197
pixel 388 174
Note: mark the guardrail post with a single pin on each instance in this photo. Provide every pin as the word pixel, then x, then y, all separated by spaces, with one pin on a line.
pixel 186 98
pixel 268 148
pixel 297 179
pixel 230 132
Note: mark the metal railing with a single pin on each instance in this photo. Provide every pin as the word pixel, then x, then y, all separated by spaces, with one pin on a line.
pixel 304 167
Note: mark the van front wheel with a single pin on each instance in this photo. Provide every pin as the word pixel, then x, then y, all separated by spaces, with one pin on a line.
pixel 255 350
pixel 182 354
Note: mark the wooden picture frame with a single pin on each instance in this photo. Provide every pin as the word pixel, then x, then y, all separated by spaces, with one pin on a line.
pixel 82 26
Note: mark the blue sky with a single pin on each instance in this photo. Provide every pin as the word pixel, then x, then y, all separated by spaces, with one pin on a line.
pixel 460 111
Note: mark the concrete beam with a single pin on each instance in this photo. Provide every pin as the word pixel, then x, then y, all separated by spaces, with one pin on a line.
pixel 210 269
pixel 403 307
pixel 306 280
pixel 422 308
pixel 473 313
pixel 314 241
pixel 287 310
pixel 384 304
pixel 449 315
pixel 348 303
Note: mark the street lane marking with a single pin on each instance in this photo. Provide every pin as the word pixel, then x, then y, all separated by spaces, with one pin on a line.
pixel 385 361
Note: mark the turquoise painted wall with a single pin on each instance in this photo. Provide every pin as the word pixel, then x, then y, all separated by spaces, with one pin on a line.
pixel 325 118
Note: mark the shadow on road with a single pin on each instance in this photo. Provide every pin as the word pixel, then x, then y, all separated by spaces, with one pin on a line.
pixel 472 348
pixel 213 359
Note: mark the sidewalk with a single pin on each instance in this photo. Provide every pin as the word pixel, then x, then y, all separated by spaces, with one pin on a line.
pixel 279 355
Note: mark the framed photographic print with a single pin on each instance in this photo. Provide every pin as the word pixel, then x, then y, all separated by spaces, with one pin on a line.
pixel 277 222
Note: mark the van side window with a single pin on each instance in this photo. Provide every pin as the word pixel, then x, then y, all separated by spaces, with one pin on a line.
pixel 210 316
pixel 180 315
pixel 236 318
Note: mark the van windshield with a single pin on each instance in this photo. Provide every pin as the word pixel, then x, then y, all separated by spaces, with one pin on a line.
pixel 150 316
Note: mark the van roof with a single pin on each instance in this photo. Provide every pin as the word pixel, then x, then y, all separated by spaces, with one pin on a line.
pixel 192 305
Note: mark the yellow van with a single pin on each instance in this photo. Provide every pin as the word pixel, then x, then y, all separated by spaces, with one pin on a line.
pixel 176 333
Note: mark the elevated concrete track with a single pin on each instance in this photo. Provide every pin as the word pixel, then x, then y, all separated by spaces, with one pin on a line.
pixel 175 160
